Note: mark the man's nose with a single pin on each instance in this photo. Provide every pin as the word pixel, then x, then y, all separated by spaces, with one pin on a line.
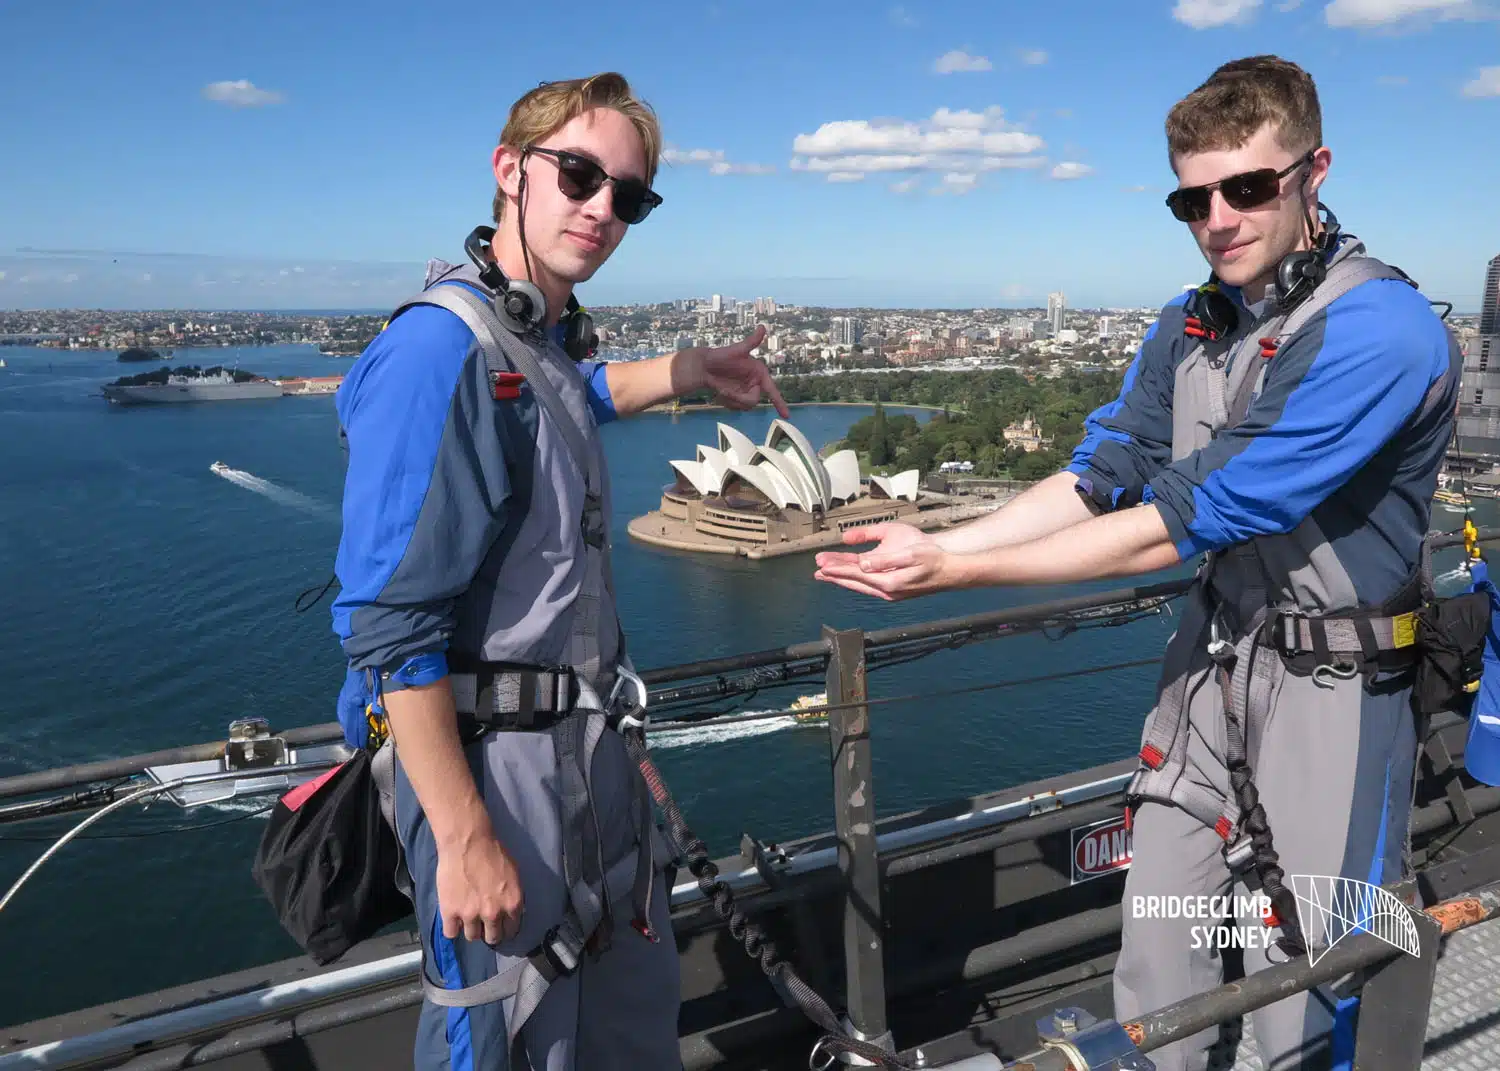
pixel 1221 217
pixel 602 205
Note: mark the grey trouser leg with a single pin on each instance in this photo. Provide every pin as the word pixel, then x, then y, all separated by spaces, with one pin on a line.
pixel 1174 855
pixel 614 1013
pixel 1334 771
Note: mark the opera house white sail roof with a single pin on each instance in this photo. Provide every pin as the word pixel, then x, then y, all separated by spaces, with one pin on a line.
pixel 786 470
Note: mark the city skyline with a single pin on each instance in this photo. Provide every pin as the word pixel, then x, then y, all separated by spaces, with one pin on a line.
pixel 949 155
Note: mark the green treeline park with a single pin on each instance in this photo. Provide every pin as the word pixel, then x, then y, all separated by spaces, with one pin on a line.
pixel 976 408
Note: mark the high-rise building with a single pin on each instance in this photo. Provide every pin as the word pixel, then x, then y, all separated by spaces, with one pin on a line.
pixel 717 303
pixel 1489 304
pixel 1056 312
pixel 1479 397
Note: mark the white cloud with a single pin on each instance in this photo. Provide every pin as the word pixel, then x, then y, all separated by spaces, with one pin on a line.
pixel 241 94
pixel 1135 189
pixel 901 17
pixel 960 181
pixel 1367 13
pixel 71 277
pixel 951 141
pixel 1289 5
pixel 846 176
pixel 1033 57
pixel 1486 84
pixel 724 167
pixel 2 277
pixel 959 60
pixel 146 277
pixel 715 161
pixel 904 186
pixel 1070 170
pixel 1205 14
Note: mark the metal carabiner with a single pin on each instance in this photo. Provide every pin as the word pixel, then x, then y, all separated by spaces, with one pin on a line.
pixel 829 1058
pixel 632 712
pixel 1325 676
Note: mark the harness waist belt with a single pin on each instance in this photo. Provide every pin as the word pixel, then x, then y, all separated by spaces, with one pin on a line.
pixel 1292 633
pixel 503 696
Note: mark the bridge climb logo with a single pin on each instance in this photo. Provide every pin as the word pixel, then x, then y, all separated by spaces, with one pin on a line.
pixel 1328 909
pixel 1333 908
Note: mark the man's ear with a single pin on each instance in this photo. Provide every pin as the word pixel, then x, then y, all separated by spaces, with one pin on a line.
pixel 1317 171
pixel 506 163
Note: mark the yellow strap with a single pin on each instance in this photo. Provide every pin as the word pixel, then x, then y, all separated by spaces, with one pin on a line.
pixel 1404 629
pixel 1471 539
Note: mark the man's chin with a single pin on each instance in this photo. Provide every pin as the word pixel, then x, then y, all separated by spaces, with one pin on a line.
pixel 1237 271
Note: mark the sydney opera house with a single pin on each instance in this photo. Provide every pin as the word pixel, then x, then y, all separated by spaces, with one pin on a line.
pixel 738 495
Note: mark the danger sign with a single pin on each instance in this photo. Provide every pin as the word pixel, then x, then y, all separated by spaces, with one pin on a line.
pixel 1099 849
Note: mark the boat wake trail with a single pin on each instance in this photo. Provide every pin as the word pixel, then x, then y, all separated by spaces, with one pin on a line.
pixel 667 737
pixel 281 495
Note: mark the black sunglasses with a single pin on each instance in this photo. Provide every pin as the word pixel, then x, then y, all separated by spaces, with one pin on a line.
pixel 579 178
pixel 1242 192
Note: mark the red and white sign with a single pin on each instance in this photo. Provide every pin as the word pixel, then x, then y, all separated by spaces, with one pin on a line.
pixel 1099 849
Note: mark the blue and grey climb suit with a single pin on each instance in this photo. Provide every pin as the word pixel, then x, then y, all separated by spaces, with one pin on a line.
pixel 462 544
pixel 1303 467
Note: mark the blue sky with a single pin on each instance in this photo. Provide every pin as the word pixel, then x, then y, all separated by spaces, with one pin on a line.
pixel 314 155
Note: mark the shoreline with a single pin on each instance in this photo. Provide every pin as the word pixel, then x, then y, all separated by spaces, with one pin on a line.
pixel 666 407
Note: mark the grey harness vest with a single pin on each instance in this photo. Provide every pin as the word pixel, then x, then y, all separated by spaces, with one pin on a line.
pixel 1294 582
pixel 592 883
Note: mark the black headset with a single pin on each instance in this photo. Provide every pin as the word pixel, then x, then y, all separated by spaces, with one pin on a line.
pixel 1299 274
pixel 1212 314
pixel 521 305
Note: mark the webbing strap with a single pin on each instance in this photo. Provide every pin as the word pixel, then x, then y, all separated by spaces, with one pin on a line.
pixel 518 692
pixel 1295 634
pixel 509 981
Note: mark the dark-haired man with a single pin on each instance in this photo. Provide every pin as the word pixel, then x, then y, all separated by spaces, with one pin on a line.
pixel 1289 420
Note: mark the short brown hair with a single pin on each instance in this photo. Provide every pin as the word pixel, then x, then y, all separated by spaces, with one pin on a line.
pixel 552 105
pixel 1241 97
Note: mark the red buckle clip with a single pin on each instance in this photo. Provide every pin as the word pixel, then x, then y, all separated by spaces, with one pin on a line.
pixel 1129 817
pixel 1268 347
pixel 1271 918
pixel 506 385
pixel 1223 827
pixel 1152 757
pixel 642 927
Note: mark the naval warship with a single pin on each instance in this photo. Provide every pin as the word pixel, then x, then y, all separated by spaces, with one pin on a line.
pixel 190 384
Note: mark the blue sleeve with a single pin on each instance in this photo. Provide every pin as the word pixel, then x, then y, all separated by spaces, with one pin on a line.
pixel 1333 396
pixel 1129 440
pixel 424 496
pixel 596 382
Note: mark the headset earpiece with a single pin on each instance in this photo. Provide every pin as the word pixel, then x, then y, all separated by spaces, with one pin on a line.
pixel 519 304
pixel 580 339
pixel 1299 274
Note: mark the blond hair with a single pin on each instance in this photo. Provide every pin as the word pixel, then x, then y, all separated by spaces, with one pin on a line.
pixel 552 105
pixel 1241 97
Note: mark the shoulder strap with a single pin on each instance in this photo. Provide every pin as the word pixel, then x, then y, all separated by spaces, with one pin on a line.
pixel 495 340
pixel 1343 277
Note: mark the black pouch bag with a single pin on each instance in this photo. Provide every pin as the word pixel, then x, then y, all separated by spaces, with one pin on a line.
pixel 1450 642
pixel 328 861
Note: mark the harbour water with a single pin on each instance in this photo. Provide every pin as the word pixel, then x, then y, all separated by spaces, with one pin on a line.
pixel 149 601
